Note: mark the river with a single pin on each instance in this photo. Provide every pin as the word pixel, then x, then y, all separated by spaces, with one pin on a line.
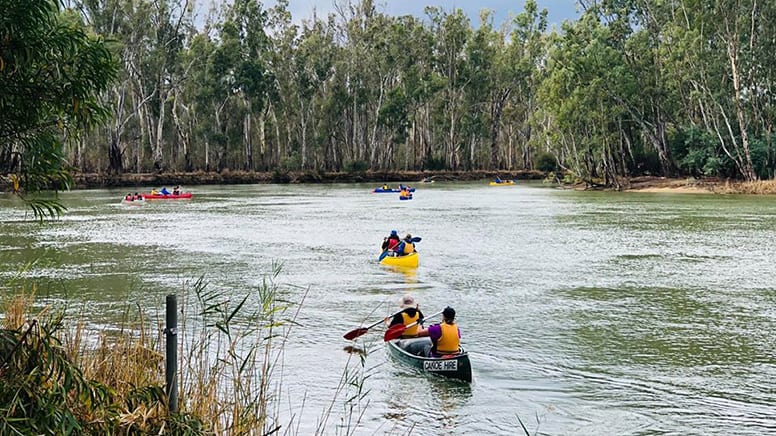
pixel 585 313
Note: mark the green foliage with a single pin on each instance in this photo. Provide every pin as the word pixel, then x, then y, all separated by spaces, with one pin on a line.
pixel 546 162
pixel 697 152
pixel 645 162
pixel 356 166
pixel 763 157
pixel 51 73
pixel 42 391
pixel 432 163
pixel 257 89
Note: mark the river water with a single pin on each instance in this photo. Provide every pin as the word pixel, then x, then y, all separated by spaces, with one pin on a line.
pixel 585 313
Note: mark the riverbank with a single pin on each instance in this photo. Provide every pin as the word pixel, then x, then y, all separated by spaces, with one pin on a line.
pixel 655 184
pixel 145 180
pixel 700 186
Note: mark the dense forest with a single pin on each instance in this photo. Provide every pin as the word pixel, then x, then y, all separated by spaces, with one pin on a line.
pixel 633 87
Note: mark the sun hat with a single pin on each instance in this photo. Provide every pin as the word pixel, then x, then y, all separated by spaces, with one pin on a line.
pixel 407 301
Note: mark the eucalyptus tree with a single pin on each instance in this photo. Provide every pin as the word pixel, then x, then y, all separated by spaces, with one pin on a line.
pixel 721 58
pixel 284 34
pixel 405 112
pixel 124 24
pixel 370 75
pixel 313 67
pixel 244 30
pixel 52 70
pixel 481 73
pixel 577 94
pixel 520 71
pixel 453 31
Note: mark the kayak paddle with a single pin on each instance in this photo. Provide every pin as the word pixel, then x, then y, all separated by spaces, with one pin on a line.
pixel 353 334
pixel 396 331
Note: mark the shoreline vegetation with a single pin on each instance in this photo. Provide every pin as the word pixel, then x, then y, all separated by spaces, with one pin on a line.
pixel 59 376
pixel 654 184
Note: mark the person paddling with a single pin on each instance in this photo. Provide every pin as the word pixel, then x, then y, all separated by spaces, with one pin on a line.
pixel 410 315
pixel 391 242
pixel 406 246
pixel 445 336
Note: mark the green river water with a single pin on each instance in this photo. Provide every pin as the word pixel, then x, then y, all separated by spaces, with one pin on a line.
pixel 585 313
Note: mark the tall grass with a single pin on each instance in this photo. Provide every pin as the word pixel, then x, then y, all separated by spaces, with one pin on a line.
pixel 59 377
pixel 756 187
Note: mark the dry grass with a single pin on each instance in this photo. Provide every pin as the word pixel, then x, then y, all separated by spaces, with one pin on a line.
pixel 230 362
pixel 761 187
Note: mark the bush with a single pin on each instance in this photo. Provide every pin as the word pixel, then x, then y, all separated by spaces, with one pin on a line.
pixel 356 166
pixel 546 162
pixel 434 164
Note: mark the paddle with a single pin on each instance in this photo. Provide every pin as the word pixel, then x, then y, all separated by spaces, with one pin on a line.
pixel 414 239
pixel 353 334
pixel 396 331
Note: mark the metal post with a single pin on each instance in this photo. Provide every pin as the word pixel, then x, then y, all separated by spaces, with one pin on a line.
pixel 171 361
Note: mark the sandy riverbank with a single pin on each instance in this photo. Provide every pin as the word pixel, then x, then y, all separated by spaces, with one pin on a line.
pixel 700 186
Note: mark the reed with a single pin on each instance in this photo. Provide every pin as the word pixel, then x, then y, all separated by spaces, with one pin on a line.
pixel 59 377
pixel 755 187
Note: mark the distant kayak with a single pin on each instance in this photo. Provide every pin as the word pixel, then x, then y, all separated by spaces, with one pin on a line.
pixel 382 190
pixel 503 183
pixel 167 197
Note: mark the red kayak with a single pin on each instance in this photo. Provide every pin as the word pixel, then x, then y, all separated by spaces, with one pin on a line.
pixel 166 197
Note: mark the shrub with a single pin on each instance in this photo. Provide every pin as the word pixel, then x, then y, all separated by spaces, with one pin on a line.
pixel 434 164
pixel 546 162
pixel 356 166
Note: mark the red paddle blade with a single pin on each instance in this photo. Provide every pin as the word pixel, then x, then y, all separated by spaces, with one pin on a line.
pixel 353 334
pixel 394 332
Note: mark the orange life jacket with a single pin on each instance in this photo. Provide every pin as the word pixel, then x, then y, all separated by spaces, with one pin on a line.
pixel 449 343
pixel 410 332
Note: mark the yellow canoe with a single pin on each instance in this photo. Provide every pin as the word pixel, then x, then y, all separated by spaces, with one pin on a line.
pixel 503 183
pixel 409 260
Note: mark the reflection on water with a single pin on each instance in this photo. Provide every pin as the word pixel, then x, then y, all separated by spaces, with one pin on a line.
pixel 350 349
pixel 410 274
pixel 584 313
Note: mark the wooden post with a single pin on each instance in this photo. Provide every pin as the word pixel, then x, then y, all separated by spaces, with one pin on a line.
pixel 171 361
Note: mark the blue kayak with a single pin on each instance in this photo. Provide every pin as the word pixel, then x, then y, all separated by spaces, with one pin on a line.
pixel 395 190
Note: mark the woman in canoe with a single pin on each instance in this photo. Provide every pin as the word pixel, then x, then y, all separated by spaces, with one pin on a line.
pixel 411 314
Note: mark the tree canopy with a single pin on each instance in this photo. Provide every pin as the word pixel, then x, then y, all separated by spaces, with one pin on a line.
pixel 633 87
pixel 53 72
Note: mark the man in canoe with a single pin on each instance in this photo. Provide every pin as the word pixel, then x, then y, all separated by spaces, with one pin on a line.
pixel 411 314
pixel 391 242
pixel 445 336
